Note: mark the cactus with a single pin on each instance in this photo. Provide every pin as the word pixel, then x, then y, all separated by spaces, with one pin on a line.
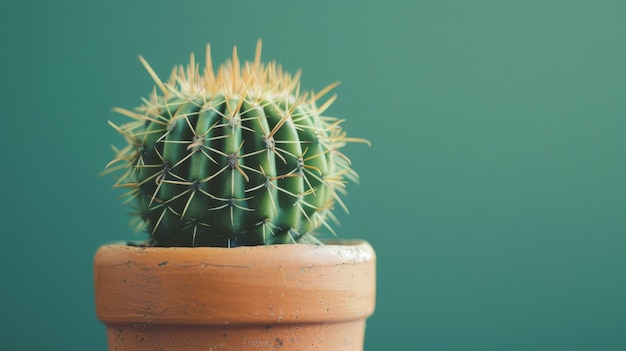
pixel 236 157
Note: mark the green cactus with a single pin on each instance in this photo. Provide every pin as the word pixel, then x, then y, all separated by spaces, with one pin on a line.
pixel 232 158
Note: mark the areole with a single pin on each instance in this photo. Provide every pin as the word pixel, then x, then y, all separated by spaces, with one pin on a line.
pixel 295 297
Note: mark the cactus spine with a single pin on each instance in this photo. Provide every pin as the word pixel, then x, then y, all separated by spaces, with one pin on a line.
pixel 231 158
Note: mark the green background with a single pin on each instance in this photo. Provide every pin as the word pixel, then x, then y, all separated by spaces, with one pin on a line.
pixel 493 191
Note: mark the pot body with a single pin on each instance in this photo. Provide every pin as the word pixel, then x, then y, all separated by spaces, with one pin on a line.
pixel 295 297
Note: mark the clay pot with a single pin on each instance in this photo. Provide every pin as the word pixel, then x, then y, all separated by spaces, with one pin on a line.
pixel 294 297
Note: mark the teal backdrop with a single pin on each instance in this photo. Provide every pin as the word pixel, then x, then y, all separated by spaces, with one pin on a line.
pixel 494 190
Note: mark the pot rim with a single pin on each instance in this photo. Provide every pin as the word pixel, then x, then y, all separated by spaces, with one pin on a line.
pixel 286 283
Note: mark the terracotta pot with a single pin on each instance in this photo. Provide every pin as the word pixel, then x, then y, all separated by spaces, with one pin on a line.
pixel 294 297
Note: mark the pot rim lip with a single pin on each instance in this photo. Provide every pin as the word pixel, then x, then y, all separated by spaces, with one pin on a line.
pixel 335 252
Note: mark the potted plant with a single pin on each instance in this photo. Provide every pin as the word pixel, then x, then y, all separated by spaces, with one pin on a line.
pixel 223 168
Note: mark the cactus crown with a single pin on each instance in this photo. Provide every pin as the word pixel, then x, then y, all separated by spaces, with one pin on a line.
pixel 234 157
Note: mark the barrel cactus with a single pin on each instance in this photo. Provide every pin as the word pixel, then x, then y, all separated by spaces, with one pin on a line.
pixel 233 157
